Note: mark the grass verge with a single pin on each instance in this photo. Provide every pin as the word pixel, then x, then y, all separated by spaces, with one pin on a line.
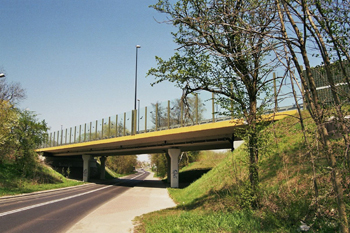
pixel 220 200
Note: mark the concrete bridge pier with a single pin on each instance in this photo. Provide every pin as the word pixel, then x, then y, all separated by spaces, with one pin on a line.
pixel 168 167
pixel 174 167
pixel 86 167
pixel 103 167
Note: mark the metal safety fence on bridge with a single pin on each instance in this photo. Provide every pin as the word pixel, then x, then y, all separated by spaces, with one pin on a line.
pixel 200 108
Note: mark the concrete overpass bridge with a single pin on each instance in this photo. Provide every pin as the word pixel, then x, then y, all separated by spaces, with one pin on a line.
pixel 192 131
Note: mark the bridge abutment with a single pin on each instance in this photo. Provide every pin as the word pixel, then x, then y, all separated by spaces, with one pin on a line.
pixel 174 167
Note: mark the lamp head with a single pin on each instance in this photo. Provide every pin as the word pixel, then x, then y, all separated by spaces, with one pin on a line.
pixel 138 46
pixel 2 75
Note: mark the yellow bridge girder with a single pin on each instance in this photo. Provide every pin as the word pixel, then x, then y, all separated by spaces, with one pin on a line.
pixel 215 135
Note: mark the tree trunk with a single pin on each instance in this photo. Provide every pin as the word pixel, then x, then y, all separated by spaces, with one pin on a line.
pixel 253 155
pixel 336 180
pixel 316 112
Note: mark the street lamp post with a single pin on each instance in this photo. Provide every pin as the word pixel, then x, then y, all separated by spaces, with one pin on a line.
pixel 138 116
pixel 2 75
pixel 137 47
pixel 134 122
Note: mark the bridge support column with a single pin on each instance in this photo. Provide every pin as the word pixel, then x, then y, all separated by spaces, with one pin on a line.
pixel 168 167
pixel 174 155
pixel 103 167
pixel 86 167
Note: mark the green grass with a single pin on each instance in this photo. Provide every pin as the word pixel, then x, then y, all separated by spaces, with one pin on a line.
pixel 13 182
pixel 43 177
pixel 109 174
pixel 207 160
pixel 204 222
pixel 219 201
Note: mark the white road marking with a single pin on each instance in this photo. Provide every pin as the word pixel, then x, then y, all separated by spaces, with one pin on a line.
pixel 138 176
pixel 50 202
pixel 58 200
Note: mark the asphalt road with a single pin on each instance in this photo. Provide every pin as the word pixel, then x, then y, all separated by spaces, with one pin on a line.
pixel 57 211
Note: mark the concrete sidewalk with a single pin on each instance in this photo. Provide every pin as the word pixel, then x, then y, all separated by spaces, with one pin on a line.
pixel 117 214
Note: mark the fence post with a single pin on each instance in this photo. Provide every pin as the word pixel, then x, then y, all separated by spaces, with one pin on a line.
pixel 102 128
pixel 75 133
pixel 275 91
pixel 231 102
pixel 116 125
pixel 54 139
pixel 145 119
pixel 79 135
pixel 65 139
pixel 109 127
pixel 85 132
pixel 182 113
pixel 124 123
pixel 90 132
pixel 196 103
pixel 135 121
pixel 168 114
pixel 156 116
pixel 132 122
pixel 96 129
pixel 61 136
pixel 213 106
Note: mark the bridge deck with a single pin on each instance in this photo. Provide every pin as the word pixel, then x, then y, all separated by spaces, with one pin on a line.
pixel 217 135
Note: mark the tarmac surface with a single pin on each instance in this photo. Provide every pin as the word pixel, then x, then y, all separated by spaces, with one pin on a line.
pixel 117 214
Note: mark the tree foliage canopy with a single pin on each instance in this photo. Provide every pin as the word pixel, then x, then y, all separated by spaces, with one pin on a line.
pixel 230 48
pixel 223 50
pixel 20 130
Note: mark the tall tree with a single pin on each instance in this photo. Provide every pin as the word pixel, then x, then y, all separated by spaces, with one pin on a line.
pixel 159 164
pixel 11 92
pixel 8 120
pixel 305 32
pixel 28 135
pixel 222 50
pixel 122 164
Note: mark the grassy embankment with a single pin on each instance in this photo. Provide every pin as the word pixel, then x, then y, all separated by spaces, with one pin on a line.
pixel 13 182
pixel 219 200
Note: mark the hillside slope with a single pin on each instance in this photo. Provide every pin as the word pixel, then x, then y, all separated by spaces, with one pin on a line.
pixel 43 177
pixel 220 200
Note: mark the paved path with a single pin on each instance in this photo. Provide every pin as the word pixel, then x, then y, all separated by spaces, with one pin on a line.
pixel 117 214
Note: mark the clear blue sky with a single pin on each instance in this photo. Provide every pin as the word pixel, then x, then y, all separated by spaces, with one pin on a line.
pixel 76 59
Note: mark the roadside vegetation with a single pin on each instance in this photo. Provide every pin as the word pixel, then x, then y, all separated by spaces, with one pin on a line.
pixel 122 165
pixel 21 169
pixel 233 50
pixel 13 182
pixel 220 201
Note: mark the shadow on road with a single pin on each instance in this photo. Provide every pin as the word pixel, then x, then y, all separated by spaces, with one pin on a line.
pixel 186 178
pixel 133 182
